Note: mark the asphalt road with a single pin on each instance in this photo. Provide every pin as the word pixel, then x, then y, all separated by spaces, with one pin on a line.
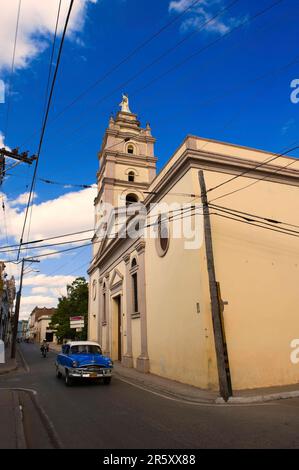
pixel 125 417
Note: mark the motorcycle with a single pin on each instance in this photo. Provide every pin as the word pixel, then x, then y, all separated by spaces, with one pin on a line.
pixel 44 351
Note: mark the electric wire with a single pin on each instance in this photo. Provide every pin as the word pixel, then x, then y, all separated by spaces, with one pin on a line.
pixel 257 181
pixel 123 61
pixel 45 120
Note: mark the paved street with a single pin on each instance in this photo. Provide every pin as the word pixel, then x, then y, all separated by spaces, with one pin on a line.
pixel 123 416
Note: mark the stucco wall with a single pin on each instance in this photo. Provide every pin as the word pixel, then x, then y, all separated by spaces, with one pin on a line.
pixel 259 273
pixel 180 339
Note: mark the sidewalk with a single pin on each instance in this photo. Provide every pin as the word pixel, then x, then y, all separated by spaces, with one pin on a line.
pixel 11 427
pixel 9 365
pixel 21 424
pixel 188 393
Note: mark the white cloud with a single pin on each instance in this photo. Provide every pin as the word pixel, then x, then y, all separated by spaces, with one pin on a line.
pixel 70 212
pixel 39 290
pixel 22 199
pixel 42 280
pixel 2 144
pixel 203 12
pixel 44 291
pixel 36 27
pixel 29 302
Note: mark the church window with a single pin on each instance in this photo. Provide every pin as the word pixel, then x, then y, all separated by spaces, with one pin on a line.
pixel 131 199
pixel 134 285
pixel 162 240
pixel 130 148
pixel 131 176
pixel 104 305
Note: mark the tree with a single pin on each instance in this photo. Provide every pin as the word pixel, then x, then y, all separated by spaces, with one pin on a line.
pixel 73 304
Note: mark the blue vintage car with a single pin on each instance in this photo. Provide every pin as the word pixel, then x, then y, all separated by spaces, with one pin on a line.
pixel 84 360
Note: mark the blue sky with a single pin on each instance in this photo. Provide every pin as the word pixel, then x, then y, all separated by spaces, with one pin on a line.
pixel 237 91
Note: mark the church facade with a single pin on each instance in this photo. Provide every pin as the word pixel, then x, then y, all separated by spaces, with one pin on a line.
pixel 150 288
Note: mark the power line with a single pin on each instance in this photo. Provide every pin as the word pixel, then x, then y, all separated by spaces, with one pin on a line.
pixel 258 180
pixel 179 64
pixel 13 248
pixel 50 238
pixel 207 46
pixel 267 219
pixel 100 241
pixel 265 162
pixel 47 91
pixel 51 57
pixel 12 68
pixel 123 61
pixel 242 220
pixel 253 219
pixel 141 71
pixel 45 120
pixel 256 225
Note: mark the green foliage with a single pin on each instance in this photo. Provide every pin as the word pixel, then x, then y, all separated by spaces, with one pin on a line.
pixel 75 303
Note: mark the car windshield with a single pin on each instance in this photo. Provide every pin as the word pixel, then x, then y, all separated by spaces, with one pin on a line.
pixel 86 349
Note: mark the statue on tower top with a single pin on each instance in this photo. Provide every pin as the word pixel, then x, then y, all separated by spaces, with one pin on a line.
pixel 125 104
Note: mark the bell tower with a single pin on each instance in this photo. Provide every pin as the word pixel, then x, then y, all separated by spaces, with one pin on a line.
pixel 127 161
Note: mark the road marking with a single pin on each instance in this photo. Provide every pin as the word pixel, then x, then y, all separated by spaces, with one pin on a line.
pixel 187 402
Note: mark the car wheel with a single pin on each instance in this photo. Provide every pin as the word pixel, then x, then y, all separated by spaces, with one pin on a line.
pixel 107 380
pixel 58 373
pixel 67 379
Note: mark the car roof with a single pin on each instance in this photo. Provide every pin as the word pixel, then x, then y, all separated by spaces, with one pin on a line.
pixel 80 343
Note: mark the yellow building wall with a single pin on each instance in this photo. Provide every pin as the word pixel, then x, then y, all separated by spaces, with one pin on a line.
pixel 180 339
pixel 259 272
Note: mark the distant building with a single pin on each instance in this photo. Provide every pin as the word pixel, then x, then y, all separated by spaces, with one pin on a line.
pixel 39 321
pixel 22 329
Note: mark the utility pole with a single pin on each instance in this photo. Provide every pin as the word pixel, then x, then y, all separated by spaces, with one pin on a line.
pixel 15 155
pixel 218 327
pixel 17 307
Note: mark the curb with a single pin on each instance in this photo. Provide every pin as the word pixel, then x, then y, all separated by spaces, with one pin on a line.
pixel 237 400
pixel 18 412
pixel 47 423
pixel 10 369
pixel 262 398
pixel 167 392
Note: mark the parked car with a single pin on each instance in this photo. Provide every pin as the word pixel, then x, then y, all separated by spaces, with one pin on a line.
pixel 83 360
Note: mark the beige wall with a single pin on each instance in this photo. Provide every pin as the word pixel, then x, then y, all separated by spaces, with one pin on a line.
pixel 259 273
pixel 180 339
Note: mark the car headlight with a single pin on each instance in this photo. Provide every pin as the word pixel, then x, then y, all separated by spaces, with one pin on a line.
pixel 110 363
pixel 75 364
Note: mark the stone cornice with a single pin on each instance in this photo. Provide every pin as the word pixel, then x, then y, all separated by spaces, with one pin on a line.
pixel 123 157
pixel 223 164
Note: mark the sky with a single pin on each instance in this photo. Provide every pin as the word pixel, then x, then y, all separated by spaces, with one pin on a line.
pixel 229 80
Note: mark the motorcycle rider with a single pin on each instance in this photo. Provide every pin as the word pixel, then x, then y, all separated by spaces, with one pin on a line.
pixel 44 347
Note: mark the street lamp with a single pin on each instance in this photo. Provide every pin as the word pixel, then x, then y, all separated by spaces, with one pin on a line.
pixel 17 308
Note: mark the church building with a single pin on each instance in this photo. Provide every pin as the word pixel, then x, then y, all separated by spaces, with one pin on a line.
pixel 152 297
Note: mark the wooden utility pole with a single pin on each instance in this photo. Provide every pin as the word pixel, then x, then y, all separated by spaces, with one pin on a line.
pixel 17 308
pixel 15 155
pixel 222 360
